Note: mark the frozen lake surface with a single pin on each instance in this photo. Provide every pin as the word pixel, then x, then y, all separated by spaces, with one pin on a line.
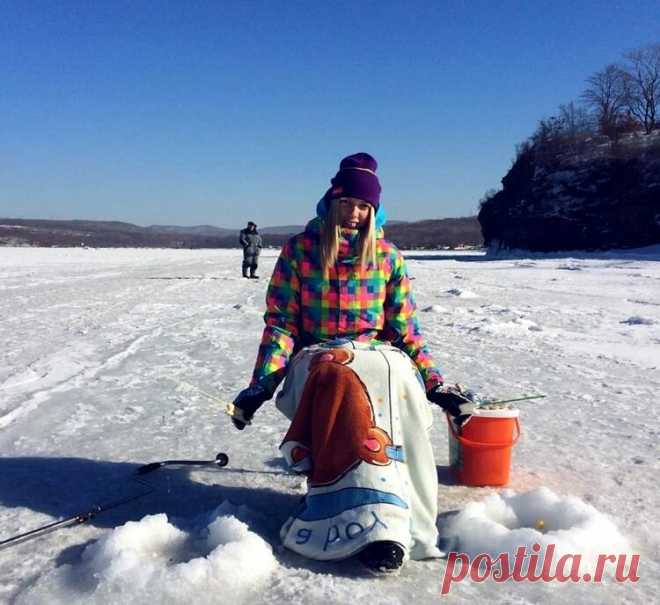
pixel 102 351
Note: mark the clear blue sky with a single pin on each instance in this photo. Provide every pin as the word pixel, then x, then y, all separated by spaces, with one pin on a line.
pixel 218 112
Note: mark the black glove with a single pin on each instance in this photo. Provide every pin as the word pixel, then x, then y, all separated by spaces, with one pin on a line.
pixel 247 402
pixel 454 400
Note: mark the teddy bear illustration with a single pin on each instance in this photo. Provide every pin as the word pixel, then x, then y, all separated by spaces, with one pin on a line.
pixel 334 427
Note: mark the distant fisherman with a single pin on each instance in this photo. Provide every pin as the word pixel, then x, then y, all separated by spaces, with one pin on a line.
pixel 251 243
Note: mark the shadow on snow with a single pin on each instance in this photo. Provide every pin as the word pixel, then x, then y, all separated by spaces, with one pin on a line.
pixel 64 487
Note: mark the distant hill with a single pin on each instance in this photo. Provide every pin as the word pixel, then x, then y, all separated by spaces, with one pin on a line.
pixel 210 231
pixel 204 230
pixel 283 230
pixel 436 233
pixel 439 233
pixel 107 234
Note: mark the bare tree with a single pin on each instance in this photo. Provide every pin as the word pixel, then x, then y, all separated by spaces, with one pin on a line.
pixel 607 93
pixel 577 125
pixel 575 120
pixel 548 140
pixel 643 85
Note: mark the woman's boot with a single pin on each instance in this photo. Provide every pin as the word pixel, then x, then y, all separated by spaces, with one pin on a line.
pixel 382 557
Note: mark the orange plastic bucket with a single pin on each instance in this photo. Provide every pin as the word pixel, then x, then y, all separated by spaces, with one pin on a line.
pixel 480 451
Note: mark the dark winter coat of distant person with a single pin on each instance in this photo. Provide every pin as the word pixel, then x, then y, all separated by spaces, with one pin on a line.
pixel 251 243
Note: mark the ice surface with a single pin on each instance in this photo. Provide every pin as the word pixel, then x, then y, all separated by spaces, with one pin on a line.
pixel 104 353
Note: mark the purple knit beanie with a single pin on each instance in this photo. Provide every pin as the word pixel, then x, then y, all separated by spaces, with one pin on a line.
pixel 356 178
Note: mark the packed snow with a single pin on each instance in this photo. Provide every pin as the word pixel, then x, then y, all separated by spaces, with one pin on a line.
pixel 503 522
pixel 152 560
pixel 115 358
pixel 461 293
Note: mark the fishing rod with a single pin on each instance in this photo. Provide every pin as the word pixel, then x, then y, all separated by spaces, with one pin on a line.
pixel 77 519
pixel 502 401
pixel 221 460
pixel 229 408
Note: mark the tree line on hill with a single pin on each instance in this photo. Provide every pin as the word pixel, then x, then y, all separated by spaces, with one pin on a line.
pixel 621 99
pixel 430 234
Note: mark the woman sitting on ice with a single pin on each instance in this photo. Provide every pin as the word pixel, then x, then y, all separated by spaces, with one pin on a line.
pixel 341 325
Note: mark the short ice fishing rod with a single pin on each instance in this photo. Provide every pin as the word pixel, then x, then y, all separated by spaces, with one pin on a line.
pixel 229 408
pixel 502 401
pixel 219 461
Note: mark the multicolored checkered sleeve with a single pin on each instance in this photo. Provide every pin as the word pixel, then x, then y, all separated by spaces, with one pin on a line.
pixel 401 323
pixel 281 318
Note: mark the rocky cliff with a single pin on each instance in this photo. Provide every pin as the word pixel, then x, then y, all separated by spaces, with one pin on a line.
pixel 600 196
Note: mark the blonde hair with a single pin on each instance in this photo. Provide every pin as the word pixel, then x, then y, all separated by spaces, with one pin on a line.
pixel 331 234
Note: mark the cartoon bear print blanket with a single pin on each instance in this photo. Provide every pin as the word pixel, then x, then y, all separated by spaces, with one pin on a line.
pixel 359 431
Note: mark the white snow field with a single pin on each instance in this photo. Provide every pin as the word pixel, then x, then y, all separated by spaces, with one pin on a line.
pixel 103 353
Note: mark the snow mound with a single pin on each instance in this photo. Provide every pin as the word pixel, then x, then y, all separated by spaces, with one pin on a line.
pixel 435 309
pixel 513 328
pixel 503 522
pixel 636 320
pixel 569 266
pixel 152 561
pixel 496 309
pixel 462 293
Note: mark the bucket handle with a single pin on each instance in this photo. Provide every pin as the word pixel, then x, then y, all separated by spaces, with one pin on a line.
pixel 477 444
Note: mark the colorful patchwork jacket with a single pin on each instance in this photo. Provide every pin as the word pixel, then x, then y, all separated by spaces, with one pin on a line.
pixel 304 307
